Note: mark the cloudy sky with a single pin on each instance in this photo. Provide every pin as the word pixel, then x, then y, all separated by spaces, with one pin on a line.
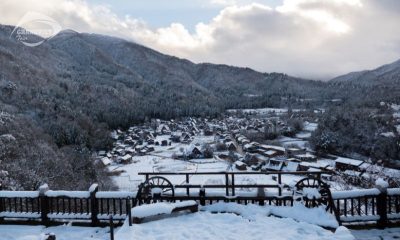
pixel 316 39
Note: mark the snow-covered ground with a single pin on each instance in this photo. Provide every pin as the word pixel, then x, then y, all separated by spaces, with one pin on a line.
pixel 217 221
pixel 262 111
pixel 129 179
pixel 288 141
pixel 22 232
pixel 377 234
pixel 236 222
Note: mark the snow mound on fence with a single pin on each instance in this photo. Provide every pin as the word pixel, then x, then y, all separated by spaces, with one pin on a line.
pixel 298 212
pixel 152 210
pixel 318 215
pixel 158 208
pixel 247 211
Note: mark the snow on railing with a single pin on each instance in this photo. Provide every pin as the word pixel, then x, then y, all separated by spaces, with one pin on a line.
pixel 393 191
pixel 116 194
pixel 19 194
pixel 363 192
pixel 359 218
pixel 355 193
pixel 70 194
pixel 19 215
pixel 69 215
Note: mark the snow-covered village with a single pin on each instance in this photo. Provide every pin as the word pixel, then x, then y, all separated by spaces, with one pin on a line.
pixel 211 119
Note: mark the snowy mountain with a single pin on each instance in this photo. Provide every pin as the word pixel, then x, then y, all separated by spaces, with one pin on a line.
pixel 370 86
pixel 389 73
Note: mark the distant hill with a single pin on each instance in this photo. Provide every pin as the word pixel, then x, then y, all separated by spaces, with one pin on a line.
pixel 109 77
pixel 370 86
pixel 389 73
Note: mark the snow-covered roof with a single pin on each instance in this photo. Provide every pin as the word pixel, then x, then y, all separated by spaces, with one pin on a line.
pixel 190 148
pixel 311 169
pixel 277 148
pixel 249 145
pixel 292 166
pixel 349 161
pixel 352 173
pixel 270 152
pixel 239 163
pixel 126 157
pixel 305 155
pixel 106 161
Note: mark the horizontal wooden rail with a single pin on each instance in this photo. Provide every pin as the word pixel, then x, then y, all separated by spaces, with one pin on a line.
pixel 255 186
pixel 376 204
pixel 237 173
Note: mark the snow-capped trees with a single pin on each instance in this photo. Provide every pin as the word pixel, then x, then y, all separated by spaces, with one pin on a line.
pixel 29 158
pixel 350 129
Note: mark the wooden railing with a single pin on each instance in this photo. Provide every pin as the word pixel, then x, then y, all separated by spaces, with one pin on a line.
pixel 230 186
pixel 95 207
pixel 49 206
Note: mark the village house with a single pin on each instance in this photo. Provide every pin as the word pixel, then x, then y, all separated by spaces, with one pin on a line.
pixel 344 164
pixel 163 129
pixel 230 146
pixel 273 165
pixel 269 153
pixel 306 157
pixel 250 159
pixel 291 152
pixel 250 147
pixel 106 161
pixel 193 152
pixel 125 159
pixel 240 166
pixel 291 166
pixel 277 149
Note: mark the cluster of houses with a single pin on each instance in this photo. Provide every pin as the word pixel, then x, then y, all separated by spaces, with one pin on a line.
pixel 143 139
pixel 230 144
pixel 361 173
pixel 275 158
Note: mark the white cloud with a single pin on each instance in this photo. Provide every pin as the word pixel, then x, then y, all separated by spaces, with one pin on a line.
pixel 223 2
pixel 307 38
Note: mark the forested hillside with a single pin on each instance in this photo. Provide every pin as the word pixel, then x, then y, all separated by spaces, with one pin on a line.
pixel 366 123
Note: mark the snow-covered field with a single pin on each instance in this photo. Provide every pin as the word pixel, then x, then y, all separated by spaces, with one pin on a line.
pixel 377 234
pixel 22 232
pixel 262 111
pixel 129 179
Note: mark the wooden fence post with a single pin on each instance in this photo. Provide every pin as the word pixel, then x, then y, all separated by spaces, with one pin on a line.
pixel 226 184
pixel 1 204
pixel 44 204
pixel 94 209
pixel 261 196
pixel 233 184
pixel 381 205
pixel 111 228
pixel 187 182
pixel 280 183
pixel 129 211
pixel 202 195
